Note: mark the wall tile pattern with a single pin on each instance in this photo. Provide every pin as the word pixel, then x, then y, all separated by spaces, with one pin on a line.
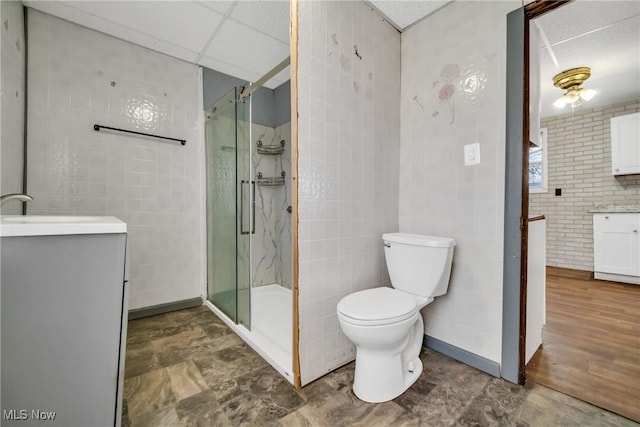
pixel 579 163
pixel 349 137
pixel 453 94
pixel 12 50
pixel 79 77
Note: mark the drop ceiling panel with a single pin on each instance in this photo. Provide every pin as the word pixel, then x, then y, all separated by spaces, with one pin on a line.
pixel 246 48
pixel 229 69
pixel 403 13
pixel 609 51
pixel 579 17
pixel 185 24
pixel 220 6
pixel 270 17
pixel 69 12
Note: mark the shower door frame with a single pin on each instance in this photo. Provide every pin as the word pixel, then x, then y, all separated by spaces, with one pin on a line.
pixel 239 311
pixel 294 29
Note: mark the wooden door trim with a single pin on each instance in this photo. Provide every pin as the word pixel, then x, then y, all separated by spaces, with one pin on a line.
pixel 531 11
pixel 294 190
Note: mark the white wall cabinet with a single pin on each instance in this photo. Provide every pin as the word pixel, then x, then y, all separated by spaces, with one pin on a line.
pixel 616 244
pixel 625 144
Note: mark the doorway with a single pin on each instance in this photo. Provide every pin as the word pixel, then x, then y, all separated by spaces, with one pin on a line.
pixel 596 296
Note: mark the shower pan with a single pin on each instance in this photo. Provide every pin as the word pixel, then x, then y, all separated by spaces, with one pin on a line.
pixel 249 233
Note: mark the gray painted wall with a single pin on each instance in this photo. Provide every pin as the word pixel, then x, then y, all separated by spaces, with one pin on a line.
pixel 282 104
pixel 269 107
pixel 513 197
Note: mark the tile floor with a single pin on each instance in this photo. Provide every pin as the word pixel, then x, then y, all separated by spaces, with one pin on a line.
pixel 187 368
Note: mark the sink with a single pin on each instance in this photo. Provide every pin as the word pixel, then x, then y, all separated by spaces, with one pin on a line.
pixel 30 219
pixel 43 225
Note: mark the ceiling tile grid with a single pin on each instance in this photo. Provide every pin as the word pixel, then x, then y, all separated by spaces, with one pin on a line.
pixel 245 47
pixel 246 38
pixel 242 38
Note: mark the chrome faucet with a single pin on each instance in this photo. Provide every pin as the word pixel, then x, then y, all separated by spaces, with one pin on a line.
pixel 17 196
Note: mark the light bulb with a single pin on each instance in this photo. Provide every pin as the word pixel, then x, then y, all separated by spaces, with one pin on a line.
pixel 571 96
pixel 587 94
pixel 578 102
pixel 560 102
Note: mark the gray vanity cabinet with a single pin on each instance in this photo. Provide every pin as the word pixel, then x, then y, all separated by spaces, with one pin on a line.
pixel 63 329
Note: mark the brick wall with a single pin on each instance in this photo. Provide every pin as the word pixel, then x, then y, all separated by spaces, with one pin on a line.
pixel 579 162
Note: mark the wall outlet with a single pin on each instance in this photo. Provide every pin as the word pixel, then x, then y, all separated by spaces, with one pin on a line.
pixel 472 154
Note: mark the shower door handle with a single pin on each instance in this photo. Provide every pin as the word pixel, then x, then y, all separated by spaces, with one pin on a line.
pixel 253 207
pixel 242 183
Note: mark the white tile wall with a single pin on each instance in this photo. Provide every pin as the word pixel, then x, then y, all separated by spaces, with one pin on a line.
pixel 349 136
pixel 579 163
pixel 79 77
pixel 453 94
pixel 13 99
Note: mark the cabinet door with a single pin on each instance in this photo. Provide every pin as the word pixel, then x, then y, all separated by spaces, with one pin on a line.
pixel 625 144
pixel 617 243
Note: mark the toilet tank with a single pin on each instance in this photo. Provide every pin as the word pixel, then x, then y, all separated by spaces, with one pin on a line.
pixel 420 265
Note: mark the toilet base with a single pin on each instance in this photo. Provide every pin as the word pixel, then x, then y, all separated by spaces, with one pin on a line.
pixel 380 379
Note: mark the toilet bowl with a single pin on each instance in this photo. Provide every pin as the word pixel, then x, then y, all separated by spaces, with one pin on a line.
pixel 385 324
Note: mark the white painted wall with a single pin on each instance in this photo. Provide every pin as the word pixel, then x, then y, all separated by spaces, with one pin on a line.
pixel 536 287
pixel 349 137
pixel 78 77
pixel 453 94
pixel 12 48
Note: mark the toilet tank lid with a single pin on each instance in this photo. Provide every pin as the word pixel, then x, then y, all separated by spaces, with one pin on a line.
pixel 419 240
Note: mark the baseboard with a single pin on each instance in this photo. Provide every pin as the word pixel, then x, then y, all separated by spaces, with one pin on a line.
pixel 464 356
pixel 621 278
pixel 138 313
pixel 569 273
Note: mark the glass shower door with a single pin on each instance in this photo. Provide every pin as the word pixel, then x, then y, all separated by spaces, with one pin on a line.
pixel 245 213
pixel 228 205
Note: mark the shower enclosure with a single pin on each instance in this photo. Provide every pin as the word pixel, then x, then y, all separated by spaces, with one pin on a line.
pixel 249 233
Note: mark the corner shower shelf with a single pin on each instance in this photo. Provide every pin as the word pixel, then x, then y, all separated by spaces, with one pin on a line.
pixel 271 150
pixel 270 181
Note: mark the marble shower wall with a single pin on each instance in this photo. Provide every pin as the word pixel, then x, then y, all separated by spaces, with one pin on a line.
pixel 272 241
pixel 349 142
pixel 78 77
pixel 453 94
pixel 12 49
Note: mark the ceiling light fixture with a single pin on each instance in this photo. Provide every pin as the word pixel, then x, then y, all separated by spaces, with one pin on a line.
pixel 570 80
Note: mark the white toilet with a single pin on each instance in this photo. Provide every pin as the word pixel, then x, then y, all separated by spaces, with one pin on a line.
pixel 385 324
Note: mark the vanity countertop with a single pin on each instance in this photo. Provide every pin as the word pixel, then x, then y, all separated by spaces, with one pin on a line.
pixel 616 209
pixel 44 225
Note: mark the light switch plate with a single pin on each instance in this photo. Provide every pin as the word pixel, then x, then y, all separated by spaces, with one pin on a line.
pixel 472 154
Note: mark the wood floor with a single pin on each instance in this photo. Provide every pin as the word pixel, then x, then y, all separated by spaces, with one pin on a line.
pixel 591 342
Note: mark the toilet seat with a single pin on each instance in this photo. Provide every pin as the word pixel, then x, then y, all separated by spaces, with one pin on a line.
pixel 377 306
